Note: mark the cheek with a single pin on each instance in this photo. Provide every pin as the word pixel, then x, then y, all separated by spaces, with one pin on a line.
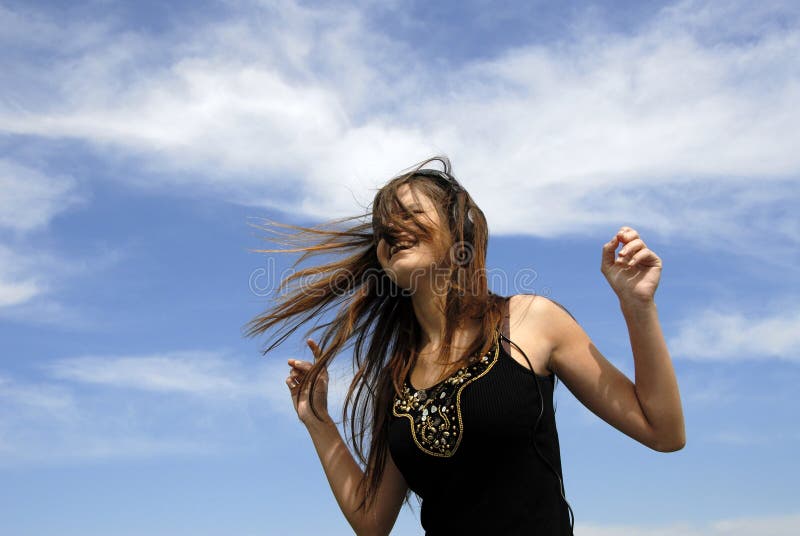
pixel 423 253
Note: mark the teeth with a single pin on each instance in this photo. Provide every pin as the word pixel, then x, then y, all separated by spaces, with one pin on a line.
pixel 400 246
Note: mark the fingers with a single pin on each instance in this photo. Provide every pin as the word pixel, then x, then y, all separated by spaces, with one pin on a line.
pixel 632 245
pixel 626 234
pixel 305 365
pixel 297 372
pixel 645 257
pixel 633 251
pixel 299 367
pixel 292 382
pixel 635 257
pixel 631 248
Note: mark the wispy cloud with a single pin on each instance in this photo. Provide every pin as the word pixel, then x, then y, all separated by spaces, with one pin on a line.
pixel 726 336
pixel 121 406
pixel 40 397
pixel 32 282
pixel 30 199
pixel 22 276
pixel 31 277
pixel 202 373
pixel 191 372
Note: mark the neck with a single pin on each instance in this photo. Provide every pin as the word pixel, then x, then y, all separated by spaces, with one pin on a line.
pixel 428 304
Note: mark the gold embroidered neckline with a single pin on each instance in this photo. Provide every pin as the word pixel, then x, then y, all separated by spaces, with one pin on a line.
pixel 434 413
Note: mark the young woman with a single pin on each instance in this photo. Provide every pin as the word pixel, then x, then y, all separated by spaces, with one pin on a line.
pixel 454 383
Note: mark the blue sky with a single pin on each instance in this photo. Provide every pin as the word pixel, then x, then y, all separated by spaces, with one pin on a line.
pixel 139 140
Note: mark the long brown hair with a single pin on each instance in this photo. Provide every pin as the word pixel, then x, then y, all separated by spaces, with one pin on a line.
pixel 372 312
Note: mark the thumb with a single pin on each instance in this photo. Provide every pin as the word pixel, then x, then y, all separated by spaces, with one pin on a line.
pixel 609 251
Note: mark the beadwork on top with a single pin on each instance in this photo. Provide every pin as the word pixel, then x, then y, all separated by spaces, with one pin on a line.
pixel 434 414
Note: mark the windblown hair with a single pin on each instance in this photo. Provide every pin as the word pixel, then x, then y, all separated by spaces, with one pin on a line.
pixel 373 314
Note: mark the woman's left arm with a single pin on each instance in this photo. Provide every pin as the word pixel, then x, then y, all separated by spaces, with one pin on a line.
pixel 649 410
pixel 634 276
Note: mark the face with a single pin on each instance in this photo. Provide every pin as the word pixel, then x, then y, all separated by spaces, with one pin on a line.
pixel 407 266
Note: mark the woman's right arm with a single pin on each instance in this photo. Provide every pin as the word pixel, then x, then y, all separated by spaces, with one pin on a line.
pixel 340 467
pixel 344 475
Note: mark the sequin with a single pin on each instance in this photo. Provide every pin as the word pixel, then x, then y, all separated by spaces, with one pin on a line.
pixel 434 414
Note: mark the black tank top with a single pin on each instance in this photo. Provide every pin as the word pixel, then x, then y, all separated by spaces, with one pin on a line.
pixel 464 446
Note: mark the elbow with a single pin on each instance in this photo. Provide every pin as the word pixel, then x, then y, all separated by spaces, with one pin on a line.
pixel 371 531
pixel 670 448
pixel 372 528
pixel 672 444
pixel 363 531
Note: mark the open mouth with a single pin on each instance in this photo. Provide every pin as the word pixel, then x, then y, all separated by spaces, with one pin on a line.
pixel 400 246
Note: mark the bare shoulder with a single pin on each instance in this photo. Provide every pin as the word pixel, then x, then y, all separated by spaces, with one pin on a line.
pixel 532 323
pixel 537 309
pixel 537 322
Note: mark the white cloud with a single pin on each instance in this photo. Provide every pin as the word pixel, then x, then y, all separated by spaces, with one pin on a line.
pixel 200 373
pixel 779 525
pixel 37 397
pixel 30 276
pixel 31 280
pixel 86 411
pixel 191 372
pixel 18 292
pixel 17 285
pixel 600 130
pixel 122 406
pixel 29 199
pixel 731 336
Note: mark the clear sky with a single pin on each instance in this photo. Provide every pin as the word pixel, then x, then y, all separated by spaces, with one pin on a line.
pixel 138 141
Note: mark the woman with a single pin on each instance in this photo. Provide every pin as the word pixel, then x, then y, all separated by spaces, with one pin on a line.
pixel 454 382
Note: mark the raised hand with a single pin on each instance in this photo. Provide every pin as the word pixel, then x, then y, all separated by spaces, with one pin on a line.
pixel 635 273
pixel 299 389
